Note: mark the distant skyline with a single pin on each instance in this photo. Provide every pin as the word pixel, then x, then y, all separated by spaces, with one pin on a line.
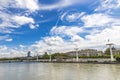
pixel 59 25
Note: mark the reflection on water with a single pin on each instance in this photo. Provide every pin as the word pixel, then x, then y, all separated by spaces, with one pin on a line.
pixel 59 71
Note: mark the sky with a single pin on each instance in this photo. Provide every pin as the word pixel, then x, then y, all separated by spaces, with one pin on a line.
pixel 57 25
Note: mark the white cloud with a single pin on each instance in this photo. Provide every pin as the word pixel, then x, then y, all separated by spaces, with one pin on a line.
pixel 108 5
pixel 60 4
pixel 99 20
pixel 2 48
pixel 59 44
pixel 5 3
pixel 104 35
pixel 72 16
pixel 54 43
pixel 53 40
pixel 31 5
pixel 73 32
pixel 6 30
pixel 5 20
pixel 9 39
pixel 67 30
pixel 21 20
pixel 33 26
pixel 9 21
pixel 6 51
pixel 76 38
pixel 4 37
pixel 21 46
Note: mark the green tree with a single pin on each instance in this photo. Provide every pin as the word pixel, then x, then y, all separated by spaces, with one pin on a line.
pixel 59 56
pixel 45 56
pixel 117 56
pixel 107 51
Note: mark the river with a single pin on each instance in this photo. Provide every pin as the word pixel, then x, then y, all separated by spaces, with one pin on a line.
pixel 59 71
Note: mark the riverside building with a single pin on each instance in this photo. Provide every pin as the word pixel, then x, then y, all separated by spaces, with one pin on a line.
pixel 86 52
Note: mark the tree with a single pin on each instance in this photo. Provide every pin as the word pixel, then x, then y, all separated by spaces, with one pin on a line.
pixel 117 56
pixel 59 56
pixel 45 56
pixel 107 51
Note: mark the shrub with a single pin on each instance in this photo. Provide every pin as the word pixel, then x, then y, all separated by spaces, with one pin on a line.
pixel 117 58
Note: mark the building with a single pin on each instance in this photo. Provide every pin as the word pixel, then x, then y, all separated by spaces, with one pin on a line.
pixel 116 50
pixel 29 54
pixel 86 52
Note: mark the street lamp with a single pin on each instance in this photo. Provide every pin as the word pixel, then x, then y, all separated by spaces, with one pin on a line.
pixel 111 53
pixel 77 58
pixel 50 59
pixel 37 57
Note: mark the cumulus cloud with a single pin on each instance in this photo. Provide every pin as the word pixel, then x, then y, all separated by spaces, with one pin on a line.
pixel 104 35
pixel 21 46
pixel 91 20
pixel 67 30
pixel 59 44
pixel 95 37
pixel 13 21
pixel 10 19
pixel 53 40
pixel 23 4
pixel 54 43
pixel 31 5
pixel 99 20
pixel 21 20
pixel 6 51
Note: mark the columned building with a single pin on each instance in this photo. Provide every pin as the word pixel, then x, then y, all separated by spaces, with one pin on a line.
pixel 87 52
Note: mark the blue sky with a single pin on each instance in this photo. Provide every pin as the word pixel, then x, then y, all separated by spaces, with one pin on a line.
pixel 60 25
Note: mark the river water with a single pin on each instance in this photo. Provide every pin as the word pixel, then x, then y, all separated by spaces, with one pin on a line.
pixel 59 71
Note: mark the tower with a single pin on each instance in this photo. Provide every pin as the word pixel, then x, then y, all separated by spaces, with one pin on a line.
pixel 29 54
pixel 77 58
pixel 111 53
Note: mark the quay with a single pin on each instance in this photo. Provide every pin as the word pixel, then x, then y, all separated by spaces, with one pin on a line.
pixel 84 60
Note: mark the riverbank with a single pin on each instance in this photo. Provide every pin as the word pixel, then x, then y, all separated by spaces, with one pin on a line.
pixel 91 61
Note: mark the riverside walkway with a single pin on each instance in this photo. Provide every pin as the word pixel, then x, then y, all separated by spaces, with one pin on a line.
pixel 81 60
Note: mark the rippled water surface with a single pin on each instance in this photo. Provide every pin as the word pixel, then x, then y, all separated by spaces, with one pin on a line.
pixel 59 71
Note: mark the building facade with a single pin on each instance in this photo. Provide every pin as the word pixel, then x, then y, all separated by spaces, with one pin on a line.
pixel 86 52
pixel 29 54
pixel 116 51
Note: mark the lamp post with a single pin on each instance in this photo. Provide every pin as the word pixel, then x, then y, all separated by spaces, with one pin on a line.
pixel 36 53
pixel 77 58
pixel 49 51
pixel 111 53
pixel 76 41
pixel 37 57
